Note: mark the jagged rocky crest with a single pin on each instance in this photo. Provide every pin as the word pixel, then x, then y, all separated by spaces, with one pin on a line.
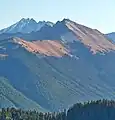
pixel 26 26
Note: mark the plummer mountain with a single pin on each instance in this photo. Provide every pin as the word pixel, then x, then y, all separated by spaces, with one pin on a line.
pixel 58 66
pixel 25 26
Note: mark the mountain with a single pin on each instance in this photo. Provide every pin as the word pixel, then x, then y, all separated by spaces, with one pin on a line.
pixel 60 65
pixel 25 26
pixel 111 36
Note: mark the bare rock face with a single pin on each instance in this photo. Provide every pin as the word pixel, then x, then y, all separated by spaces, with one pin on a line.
pixel 92 38
pixel 44 47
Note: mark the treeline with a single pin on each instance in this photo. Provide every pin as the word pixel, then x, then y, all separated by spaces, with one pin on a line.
pixel 93 110
pixel 18 114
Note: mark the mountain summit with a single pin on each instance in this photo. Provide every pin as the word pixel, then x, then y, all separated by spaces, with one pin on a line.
pixel 26 26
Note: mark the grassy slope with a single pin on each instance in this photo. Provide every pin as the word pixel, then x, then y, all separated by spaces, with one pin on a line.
pixel 9 97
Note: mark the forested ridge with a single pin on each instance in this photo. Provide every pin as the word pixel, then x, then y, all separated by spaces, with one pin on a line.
pixel 92 110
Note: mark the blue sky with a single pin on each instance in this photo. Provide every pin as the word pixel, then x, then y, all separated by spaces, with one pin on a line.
pixel 98 14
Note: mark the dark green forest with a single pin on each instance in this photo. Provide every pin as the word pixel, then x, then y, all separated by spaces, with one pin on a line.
pixel 92 110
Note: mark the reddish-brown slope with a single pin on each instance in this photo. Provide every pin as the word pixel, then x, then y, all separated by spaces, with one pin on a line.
pixel 90 37
pixel 45 47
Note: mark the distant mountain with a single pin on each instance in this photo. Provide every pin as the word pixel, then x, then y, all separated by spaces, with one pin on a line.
pixel 111 36
pixel 60 65
pixel 25 26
